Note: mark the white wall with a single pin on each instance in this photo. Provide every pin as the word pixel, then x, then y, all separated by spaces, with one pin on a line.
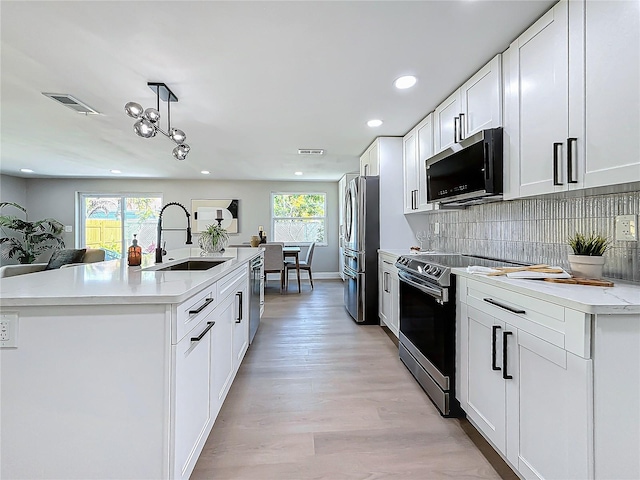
pixel 57 198
pixel 13 189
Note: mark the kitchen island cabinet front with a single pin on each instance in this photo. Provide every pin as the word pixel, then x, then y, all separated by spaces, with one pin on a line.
pixel 120 390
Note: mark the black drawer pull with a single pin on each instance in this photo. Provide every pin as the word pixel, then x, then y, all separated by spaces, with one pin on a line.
pixel 201 307
pixel 502 305
pixel 239 295
pixel 204 332
pixel 505 375
pixel 494 329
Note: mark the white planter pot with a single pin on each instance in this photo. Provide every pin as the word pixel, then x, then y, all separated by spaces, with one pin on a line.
pixel 586 266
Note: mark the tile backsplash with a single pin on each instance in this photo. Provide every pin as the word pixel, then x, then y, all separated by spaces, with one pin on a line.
pixel 535 230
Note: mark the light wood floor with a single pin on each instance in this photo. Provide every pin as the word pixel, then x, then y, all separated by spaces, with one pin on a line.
pixel 319 397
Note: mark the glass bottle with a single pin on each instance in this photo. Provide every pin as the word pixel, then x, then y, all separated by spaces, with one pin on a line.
pixel 134 253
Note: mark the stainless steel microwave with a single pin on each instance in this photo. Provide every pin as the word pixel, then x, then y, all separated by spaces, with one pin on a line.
pixel 468 172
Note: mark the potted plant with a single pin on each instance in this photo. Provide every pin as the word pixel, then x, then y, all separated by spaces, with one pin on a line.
pixel 213 239
pixel 587 260
pixel 29 239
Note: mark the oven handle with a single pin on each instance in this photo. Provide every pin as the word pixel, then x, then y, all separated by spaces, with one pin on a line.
pixel 434 292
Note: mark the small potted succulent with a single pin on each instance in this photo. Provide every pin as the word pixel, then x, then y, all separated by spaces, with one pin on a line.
pixel 587 260
pixel 213 239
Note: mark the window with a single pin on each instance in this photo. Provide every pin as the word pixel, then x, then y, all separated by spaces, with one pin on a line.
pixel 299 217
pixel 109 222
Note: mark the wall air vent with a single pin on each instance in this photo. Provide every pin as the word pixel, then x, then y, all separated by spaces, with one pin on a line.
pixel 72 102
pixel 310 151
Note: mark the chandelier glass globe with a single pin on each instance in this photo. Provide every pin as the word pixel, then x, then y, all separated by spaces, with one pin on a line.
pixel 181 151
pixel 144 128
pixel 133 109
pixel 152 115
pixel 177 135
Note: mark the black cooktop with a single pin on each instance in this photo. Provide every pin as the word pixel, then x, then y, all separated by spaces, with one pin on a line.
pixel 456 260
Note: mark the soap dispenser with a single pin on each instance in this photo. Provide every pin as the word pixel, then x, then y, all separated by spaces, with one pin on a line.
pixel 134 254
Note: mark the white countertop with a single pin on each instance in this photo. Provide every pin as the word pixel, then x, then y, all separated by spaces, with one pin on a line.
pixel 406 251
pixel 623 297
pixel 113 282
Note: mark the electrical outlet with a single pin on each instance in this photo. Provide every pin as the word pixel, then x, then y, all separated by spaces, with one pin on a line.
pixel 68 228
pixel 9 330
pixel 626 228
pixel 436 228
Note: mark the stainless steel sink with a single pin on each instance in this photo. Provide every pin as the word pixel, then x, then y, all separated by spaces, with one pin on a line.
pixel 192 265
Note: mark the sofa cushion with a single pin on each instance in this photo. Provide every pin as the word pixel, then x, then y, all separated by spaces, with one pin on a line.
pixel 65 257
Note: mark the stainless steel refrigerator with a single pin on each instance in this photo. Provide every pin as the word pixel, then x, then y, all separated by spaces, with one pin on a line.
pixel 361 243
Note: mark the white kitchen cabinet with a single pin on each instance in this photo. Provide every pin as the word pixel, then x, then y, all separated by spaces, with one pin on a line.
pixel 221 344
pixel 568 128
pixel 370 160
pixel 389 292
pixel 519 385
pixel 395 231
pixel 475 106
pixel 193 412
pixel 417 148
pixel 241 323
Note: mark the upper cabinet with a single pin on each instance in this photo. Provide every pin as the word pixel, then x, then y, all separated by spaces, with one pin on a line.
pixel 417 148
pixel 475 106
pixel 572 103
pixel 370 160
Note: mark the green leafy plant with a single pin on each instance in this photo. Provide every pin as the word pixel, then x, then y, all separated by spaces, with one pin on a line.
pixel 594 245
pixel 214 238
pixel 29 239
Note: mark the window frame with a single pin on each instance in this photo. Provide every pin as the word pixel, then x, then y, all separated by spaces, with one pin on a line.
pixel 323 219
pixel 80 236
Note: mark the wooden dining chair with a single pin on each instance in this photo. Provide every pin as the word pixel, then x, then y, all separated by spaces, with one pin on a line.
pixel 304 264
pixel 274 261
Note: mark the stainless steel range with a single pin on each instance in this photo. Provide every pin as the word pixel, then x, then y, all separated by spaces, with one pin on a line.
pixel 427 322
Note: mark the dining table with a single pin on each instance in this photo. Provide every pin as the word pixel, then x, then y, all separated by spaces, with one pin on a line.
pixel 295 253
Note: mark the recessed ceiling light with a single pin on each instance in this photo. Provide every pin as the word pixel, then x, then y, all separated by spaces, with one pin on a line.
pixel 297 173
pixel 374 123
pixel 407 81
pixel 116 171
pixel 205 172
pixel 26 170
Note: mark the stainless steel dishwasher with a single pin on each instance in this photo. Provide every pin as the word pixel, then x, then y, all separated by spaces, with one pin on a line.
pixel 255 295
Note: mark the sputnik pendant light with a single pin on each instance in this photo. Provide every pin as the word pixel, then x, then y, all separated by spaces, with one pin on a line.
pixel 148 119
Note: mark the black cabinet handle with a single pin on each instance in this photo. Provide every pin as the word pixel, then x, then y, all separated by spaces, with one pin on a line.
pixel 462 129
pixel 494 329
pixel 456 121
pixel 556 160
pixel 201 307
pixel 239 295
pixel 204 332
pixel 505 375
pixel 570 160
pixel 415 199
pixel 502 305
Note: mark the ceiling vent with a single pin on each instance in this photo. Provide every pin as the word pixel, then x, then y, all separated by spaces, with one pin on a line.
pixel 310 151
pixel 72 102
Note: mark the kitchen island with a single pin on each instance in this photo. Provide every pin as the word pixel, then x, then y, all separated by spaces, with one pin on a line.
pixel 119 372
pixel 550 373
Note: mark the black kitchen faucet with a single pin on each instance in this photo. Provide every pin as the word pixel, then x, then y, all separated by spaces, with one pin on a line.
pixel 159 250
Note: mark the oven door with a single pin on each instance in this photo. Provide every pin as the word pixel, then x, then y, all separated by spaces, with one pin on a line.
pixel 427 337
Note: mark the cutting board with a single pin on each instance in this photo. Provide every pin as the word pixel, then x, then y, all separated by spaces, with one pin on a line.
pixel 581 281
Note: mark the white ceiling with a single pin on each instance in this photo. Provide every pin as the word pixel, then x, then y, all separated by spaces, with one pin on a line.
pixel 255 80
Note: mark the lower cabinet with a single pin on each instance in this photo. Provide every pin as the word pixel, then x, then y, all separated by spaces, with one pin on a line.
pixel 388 292
pixel 192 397
pixel 530 397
